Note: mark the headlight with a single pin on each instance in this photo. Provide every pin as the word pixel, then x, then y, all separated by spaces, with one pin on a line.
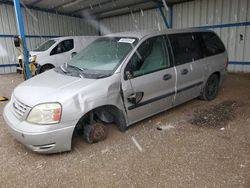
pixel 48 113
pixel 32 59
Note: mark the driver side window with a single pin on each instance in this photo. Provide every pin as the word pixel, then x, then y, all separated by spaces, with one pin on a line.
pixel 151 56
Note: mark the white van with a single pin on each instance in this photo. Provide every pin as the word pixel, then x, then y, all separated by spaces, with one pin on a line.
pixel 56 51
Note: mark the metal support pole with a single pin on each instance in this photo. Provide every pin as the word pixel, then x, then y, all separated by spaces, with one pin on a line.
pixel 162 14
pixel 171 16
pixel 19 20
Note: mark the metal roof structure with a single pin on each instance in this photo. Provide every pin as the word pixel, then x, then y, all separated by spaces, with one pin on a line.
pixel 97 8
pixel 88 9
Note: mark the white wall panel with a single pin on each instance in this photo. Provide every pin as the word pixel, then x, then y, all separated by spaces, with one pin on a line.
pixel 149 19
pixel 36 23
pixel 216 12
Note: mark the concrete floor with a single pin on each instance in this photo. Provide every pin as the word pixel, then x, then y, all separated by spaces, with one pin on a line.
pixel 189 151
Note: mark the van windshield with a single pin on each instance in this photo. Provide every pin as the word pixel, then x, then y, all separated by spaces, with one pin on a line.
pixel 45 46
pixel 104 54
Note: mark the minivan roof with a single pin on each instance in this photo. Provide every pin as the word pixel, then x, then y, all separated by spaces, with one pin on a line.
pixel 143 33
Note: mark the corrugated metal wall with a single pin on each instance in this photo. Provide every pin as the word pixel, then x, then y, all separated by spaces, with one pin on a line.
pixel 228 18
pixel 149 19
pixel 36 23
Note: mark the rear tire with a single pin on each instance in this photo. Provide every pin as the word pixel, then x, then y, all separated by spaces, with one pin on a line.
pixel 210 90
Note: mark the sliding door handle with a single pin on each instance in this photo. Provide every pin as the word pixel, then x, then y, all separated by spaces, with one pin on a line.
pixel 184 71
pixel 167 77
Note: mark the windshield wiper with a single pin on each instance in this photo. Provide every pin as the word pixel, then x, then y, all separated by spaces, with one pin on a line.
pixel 80 70
pixel 75 67
pixel 103 76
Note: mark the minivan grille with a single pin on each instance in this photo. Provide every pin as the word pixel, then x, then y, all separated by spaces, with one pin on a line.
pixel 19 108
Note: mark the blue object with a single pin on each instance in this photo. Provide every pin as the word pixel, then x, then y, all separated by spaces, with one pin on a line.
pixel 30 36
pixel 162 14
pixel 19 20
pixel 171 16
pixel 238 24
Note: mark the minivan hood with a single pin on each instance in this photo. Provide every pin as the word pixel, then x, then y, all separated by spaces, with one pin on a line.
pixel 49 86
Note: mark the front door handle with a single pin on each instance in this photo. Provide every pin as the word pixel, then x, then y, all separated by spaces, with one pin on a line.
pixel 184 71
pixel 136 97
pixel 167 77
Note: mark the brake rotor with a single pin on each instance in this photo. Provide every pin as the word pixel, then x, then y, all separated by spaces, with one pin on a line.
pixel 95 132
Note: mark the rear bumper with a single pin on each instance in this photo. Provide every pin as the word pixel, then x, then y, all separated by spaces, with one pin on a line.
pixel 223 75
pixel 40 139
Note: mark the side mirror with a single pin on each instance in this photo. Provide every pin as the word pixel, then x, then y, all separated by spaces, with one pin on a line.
pixel 129 75
pixel 72 55
pixel 17 41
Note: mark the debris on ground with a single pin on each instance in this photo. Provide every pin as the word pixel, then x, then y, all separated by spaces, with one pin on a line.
pixel 3 98
pixel 216 116
pixel 136 144
pixel 165 127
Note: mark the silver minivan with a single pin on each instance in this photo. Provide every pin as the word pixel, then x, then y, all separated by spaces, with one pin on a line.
pixel 119 78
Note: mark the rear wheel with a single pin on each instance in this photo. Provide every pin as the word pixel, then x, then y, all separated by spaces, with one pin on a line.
pixel 211 88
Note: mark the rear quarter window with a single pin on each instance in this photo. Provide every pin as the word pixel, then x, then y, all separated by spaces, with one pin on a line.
pixel 211 44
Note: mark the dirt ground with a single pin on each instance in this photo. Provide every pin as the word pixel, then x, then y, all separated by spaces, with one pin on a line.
pixel 197 144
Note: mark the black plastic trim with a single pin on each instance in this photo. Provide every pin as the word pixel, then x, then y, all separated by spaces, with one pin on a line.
pixel 163 96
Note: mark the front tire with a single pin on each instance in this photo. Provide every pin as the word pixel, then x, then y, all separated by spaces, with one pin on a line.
pixel 210 91
pixel 46 68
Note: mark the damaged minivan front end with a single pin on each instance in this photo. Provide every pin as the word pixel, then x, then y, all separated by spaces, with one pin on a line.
pixel 118 79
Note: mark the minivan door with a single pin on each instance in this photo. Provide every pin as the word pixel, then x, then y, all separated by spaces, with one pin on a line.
pixel 149 80
pixel 189 65
pixel 62 52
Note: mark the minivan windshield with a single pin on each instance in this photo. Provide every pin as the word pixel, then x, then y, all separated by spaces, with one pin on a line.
pixel 45 46
pixel 104 54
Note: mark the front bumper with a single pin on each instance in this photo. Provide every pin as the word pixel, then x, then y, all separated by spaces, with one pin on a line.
pixel 39 138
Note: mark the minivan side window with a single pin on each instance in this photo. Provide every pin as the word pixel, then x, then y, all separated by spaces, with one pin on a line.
pixel 212 44
pixel 186 47
pixel 63 46
pixel 151 56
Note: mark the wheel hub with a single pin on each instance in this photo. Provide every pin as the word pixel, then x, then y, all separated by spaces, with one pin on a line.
pixel 99 132
pixel 95 132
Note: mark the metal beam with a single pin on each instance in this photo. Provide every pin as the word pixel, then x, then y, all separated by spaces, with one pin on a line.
pixel 35 2
pixel 19 19
pixel 66 4
pixel 171 16
pixel 159 4
pixel 131 5
pixel 92 6
pixel 40 9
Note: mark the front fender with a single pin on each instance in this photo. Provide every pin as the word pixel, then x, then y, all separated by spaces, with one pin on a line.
pixel 91 98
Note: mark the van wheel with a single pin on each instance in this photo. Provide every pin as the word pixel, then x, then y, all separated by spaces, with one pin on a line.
pixel 211 88
pixel 46 68
pixel 94 133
